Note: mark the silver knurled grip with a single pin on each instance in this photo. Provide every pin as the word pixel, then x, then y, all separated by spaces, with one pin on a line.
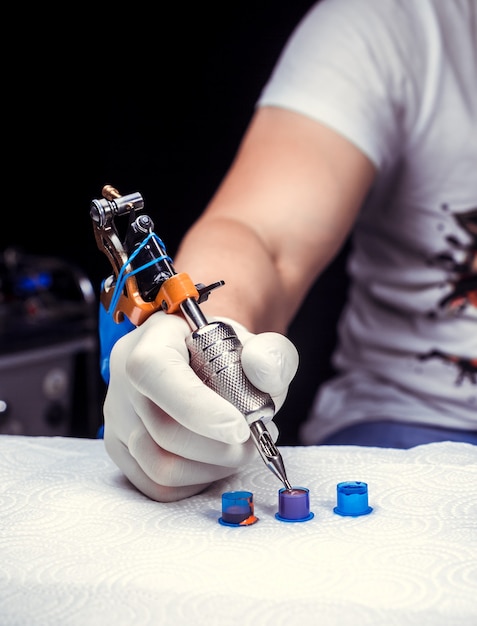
pixel 215 352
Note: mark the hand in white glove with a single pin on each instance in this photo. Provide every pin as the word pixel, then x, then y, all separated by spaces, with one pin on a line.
pixel 166 430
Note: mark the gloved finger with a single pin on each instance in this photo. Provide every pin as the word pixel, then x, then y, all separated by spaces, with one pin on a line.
pixel 168 433
pixel 125 406
pixel 179 463
pixel 273 430
pixel 173 437
pixel 160 472
pixel 270 362
pixel 156 363
pixel 165 476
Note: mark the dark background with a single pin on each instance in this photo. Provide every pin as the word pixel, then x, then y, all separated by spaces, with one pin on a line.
pixel 150 100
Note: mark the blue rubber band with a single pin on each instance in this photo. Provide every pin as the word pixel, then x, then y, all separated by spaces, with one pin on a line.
pixel 124 275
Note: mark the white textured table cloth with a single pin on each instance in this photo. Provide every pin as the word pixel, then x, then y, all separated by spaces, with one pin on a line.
pixel 80 546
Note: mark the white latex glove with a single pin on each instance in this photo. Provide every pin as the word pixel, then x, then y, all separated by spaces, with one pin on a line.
pixel 167 431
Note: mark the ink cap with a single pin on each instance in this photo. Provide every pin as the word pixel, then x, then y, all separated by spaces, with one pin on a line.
pixel 294 505
pixel 352 498
pixel 237 509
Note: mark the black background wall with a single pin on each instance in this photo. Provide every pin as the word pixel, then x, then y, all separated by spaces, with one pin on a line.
pixel 151 100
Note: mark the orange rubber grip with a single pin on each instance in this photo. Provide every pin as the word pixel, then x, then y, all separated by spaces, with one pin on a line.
pixel 174 291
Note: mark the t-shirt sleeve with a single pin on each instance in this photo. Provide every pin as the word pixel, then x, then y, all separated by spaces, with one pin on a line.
pixel 344 65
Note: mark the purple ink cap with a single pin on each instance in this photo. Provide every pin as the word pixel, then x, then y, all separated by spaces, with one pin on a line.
pixel 237 509
pixel 294 505
pixel 352 499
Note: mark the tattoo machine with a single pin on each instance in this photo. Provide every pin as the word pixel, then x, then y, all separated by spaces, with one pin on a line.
pixel 144 281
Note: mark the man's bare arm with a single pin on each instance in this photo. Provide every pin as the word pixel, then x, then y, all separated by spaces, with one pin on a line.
pixel 281 214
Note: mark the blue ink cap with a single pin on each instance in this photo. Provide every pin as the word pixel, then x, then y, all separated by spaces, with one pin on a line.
pixel 237 509
pixel 294 505
pixel 352 499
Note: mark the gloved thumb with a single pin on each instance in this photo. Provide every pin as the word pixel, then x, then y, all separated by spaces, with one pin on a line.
pixel 269 360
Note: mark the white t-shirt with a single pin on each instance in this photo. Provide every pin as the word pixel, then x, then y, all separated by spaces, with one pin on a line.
pixel 398 78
